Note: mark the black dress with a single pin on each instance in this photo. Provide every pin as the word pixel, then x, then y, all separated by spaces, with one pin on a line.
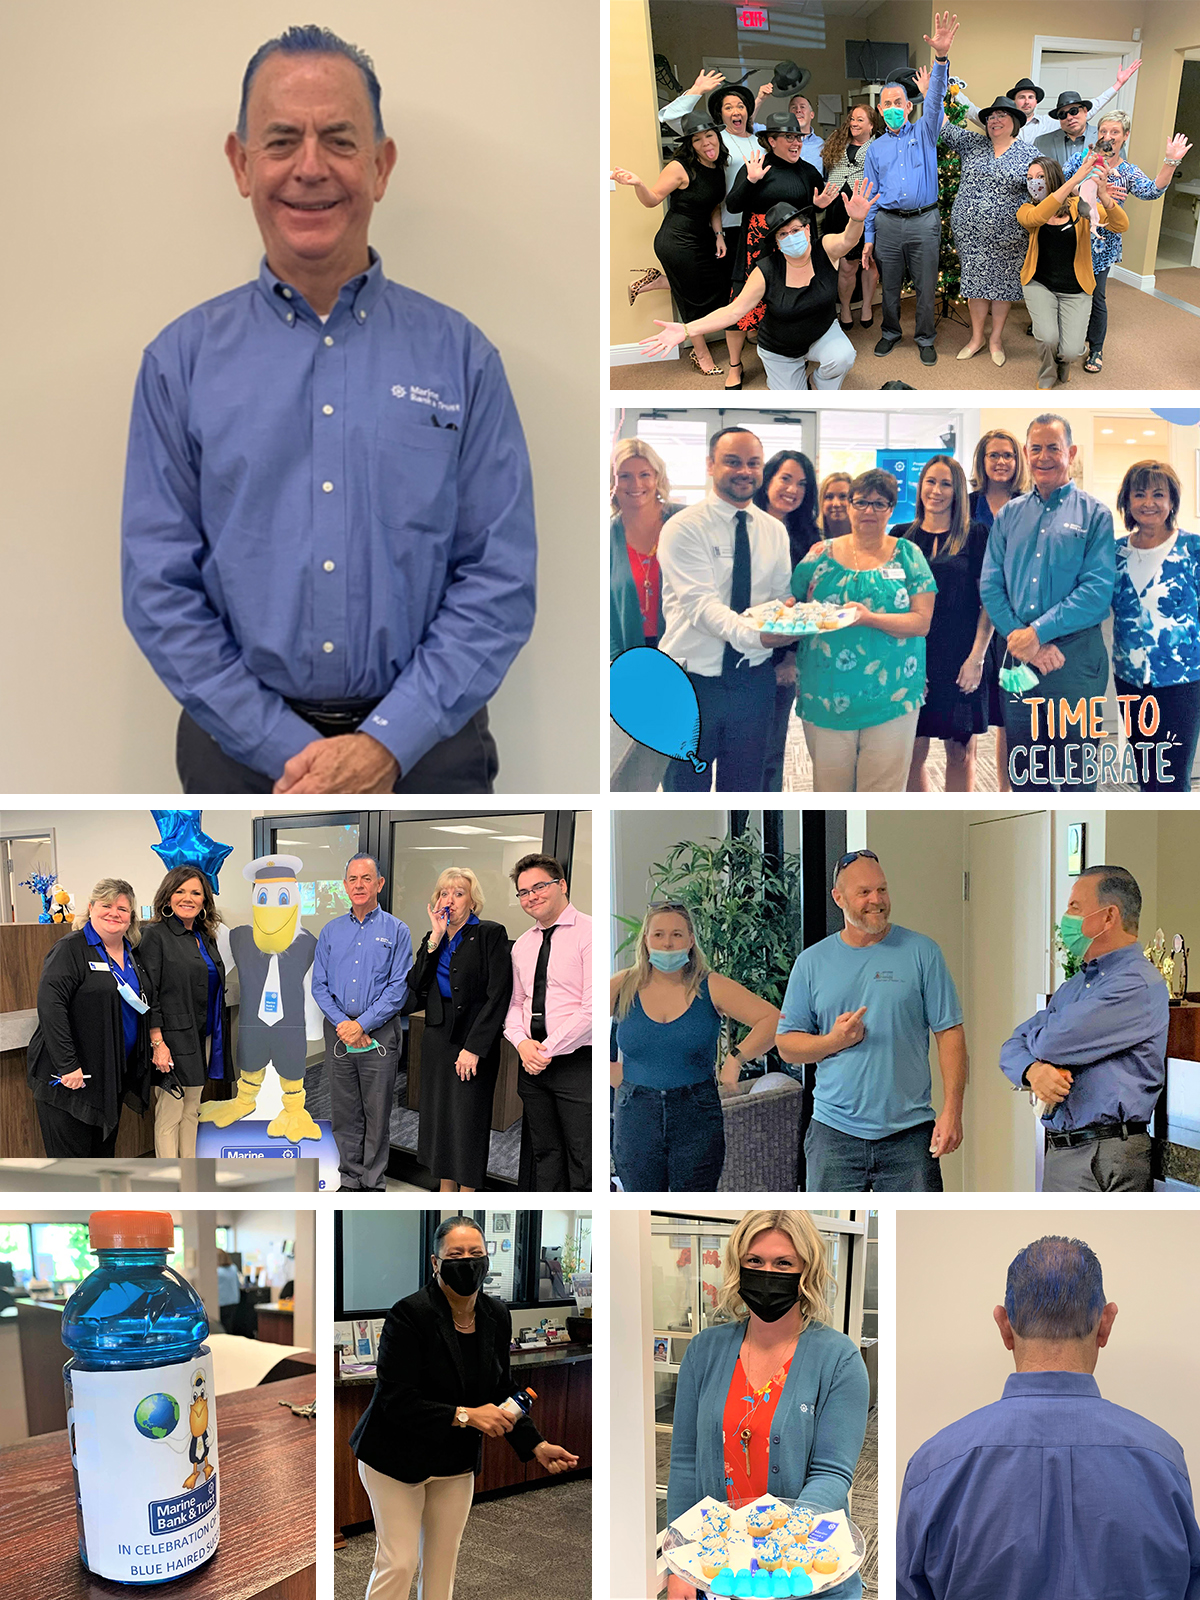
pixel 948 713
pixel 686 246
pixel 456 1113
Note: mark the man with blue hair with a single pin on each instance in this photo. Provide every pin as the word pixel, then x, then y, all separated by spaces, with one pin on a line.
pixel 328 539
pixel 1051 1492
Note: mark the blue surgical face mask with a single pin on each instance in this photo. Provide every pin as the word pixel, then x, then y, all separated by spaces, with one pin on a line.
pixel 132 998
pixel 894 117
pixel 668 960
pixel 1037 188
pixel 794 244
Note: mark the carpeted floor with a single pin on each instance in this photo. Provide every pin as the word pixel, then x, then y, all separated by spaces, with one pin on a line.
pixel 1181 282
pixel 1150 345
pixel 531 1546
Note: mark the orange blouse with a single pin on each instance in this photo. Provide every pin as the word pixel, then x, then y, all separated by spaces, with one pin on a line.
pixel 751 1412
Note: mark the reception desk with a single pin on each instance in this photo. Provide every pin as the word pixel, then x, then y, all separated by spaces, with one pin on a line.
pixel 562 1413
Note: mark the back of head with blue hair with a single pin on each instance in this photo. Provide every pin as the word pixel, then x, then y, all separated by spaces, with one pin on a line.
pixel 312 40
pixel 1055 1290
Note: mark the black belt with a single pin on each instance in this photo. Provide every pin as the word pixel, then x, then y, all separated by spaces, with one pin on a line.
pixel 888 212
pixel 333 717
pixel 1094 1131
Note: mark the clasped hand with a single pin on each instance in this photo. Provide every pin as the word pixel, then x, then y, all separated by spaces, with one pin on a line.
pixel 1050 1084
pixel 349 763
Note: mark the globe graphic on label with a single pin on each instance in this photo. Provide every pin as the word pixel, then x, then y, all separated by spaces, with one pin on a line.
pixel 156 1415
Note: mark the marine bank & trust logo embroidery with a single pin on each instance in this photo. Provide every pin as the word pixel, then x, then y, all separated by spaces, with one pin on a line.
pixel 885 977
pixel 424 397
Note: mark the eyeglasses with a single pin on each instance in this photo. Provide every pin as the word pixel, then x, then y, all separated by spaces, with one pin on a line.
pixel 534 888
pixel 999 455
pixel 870 505
pixel 843 862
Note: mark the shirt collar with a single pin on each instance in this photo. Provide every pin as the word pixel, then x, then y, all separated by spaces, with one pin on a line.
pixel 1125 956
pixel 1054 499
pixel 369 916
pixel 566 917
pixel 1079 1385
pixel 92 937
pixel 723 506
pixel 360 293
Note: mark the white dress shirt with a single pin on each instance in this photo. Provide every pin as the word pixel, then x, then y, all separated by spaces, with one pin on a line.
pixel 695 553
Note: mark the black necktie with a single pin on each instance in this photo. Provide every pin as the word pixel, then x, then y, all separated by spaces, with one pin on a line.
pixel 537 1012
pixel 739 592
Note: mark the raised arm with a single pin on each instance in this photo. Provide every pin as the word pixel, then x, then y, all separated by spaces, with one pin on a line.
pixel 671 177
pixel 858 207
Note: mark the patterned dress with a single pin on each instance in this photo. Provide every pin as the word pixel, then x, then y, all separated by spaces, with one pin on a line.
pixel 1106 245
pixel 991 242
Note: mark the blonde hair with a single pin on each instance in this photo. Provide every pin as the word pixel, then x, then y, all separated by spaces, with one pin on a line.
pixel 459 875
pixel 630 449
pixel 638 975
pixel 1121 118
pixel 105 892
pixel 815 1276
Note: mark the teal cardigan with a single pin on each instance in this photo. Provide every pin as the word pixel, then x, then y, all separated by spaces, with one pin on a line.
pixel 817 1431
pixel 625 630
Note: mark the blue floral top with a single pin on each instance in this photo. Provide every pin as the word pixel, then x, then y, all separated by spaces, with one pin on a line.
pixel 1156 629
pixel 1106 245
pixel 860 677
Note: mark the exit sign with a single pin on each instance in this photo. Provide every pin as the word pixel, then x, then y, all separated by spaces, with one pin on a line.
pixel 752 20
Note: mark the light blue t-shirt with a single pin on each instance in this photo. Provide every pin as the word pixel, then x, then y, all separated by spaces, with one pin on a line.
pixel 881 1085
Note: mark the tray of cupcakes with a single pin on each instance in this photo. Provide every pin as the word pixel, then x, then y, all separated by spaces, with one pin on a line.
pixel 763 1548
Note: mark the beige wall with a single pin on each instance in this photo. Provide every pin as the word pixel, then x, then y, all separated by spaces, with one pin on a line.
pixel 1131 840
pixel 950 1272
pixel 639 839
pixel 922 857
pixel 129 216
pixel 1178 897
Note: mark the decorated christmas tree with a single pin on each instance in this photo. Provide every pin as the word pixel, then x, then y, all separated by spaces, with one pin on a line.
pixel 949 167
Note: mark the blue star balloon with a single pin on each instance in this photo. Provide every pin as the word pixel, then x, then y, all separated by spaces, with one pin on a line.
pixel 651 697
pixel 185 844
pixel 1185 419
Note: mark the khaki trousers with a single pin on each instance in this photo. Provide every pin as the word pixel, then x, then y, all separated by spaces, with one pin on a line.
pixel 176 1121
pixel 862 760
pixel 418 1529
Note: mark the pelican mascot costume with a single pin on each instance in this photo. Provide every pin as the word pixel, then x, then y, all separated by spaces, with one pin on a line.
pixel 273 955
pixel 198 1422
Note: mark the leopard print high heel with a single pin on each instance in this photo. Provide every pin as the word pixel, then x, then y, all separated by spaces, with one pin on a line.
pixel 651 275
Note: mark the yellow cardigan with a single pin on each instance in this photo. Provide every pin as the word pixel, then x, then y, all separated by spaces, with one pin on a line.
pixel 1033 217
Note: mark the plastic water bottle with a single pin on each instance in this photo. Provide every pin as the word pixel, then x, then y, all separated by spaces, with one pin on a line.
pixel 519 1405
pixel 140 1407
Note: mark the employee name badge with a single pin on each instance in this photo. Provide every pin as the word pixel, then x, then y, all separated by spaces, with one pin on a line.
pixel 98 966
pixel 893 570
pixel 144 1450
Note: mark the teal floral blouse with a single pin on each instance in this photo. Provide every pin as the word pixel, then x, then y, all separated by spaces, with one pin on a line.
pixel 859 677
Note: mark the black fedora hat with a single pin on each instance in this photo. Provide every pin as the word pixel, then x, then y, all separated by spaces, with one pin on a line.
pixel 697 122
pixel 1003 102
pixel 1067 99
pixel 718 95
pixel 777 122
pixel 906 78
pixel 1027 83
pixel 790 79
pixel 783 212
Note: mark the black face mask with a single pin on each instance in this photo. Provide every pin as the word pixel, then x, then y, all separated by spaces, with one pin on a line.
pixel 464 1274
pixel 770 1295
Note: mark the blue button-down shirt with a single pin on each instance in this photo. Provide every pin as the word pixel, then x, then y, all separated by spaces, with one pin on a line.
pixel 1051 1492
pixel 1108 1027
pixel 327 511
pixel 360 970
pixel 1050 564
pixel 904 164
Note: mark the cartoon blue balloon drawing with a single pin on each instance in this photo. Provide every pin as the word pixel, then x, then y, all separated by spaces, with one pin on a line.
pixel 652 699
pixel 1185 419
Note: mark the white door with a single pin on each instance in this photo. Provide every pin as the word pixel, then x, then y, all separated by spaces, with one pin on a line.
pixel 1008 963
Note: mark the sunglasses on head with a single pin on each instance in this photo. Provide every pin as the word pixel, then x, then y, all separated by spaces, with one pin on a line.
pixel 843 862
pixel 667 905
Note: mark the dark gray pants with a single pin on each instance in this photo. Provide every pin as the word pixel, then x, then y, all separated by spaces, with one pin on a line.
pixel 915 243
pixel 361 1089
pixel 1057 762
pixel 1101 1167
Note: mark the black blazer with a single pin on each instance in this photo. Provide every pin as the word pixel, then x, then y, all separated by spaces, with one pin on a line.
pixel 481 980
pixel 179 976
pixel 79 1026
pixel 407 1430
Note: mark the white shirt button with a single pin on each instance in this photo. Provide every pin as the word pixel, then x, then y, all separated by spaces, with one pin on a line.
pixel 327 647
pixel 328 410
pixel 328 488
pixel 328 565
pixel 287 294
pixel 362 316
pixel 328 338
pixel 291 316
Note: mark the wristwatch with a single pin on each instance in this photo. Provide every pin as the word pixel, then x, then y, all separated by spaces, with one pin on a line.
pixel 460 1417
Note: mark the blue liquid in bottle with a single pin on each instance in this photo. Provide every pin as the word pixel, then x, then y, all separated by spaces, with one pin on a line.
pixel 140 1408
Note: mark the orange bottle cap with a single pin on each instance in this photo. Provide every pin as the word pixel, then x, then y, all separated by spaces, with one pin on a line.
pixel 532 1393
pixel 131 1230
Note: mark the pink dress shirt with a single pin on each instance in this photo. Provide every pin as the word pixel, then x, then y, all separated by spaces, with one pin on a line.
pixel 568 985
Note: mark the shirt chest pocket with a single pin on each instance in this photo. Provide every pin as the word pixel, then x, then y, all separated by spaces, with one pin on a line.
pixel 414 476
pixel 1068 547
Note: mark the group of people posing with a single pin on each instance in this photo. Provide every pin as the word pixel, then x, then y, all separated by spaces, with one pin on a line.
pixel 860 1007
pixel 984 610
pixel 771 230
pixel 130 1014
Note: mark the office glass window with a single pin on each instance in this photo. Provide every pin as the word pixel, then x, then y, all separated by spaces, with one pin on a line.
pixel 16 1249
pixel 490 845
pixel 324 852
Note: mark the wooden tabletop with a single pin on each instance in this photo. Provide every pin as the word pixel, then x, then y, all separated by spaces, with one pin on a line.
pixel 268 1543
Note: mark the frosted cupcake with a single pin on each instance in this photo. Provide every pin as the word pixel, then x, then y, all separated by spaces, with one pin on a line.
pixel 711 1555
pixel 761 1521
pixel 770 1554
pixel 825 1560
pixel 716 1519
pixel 799 1523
